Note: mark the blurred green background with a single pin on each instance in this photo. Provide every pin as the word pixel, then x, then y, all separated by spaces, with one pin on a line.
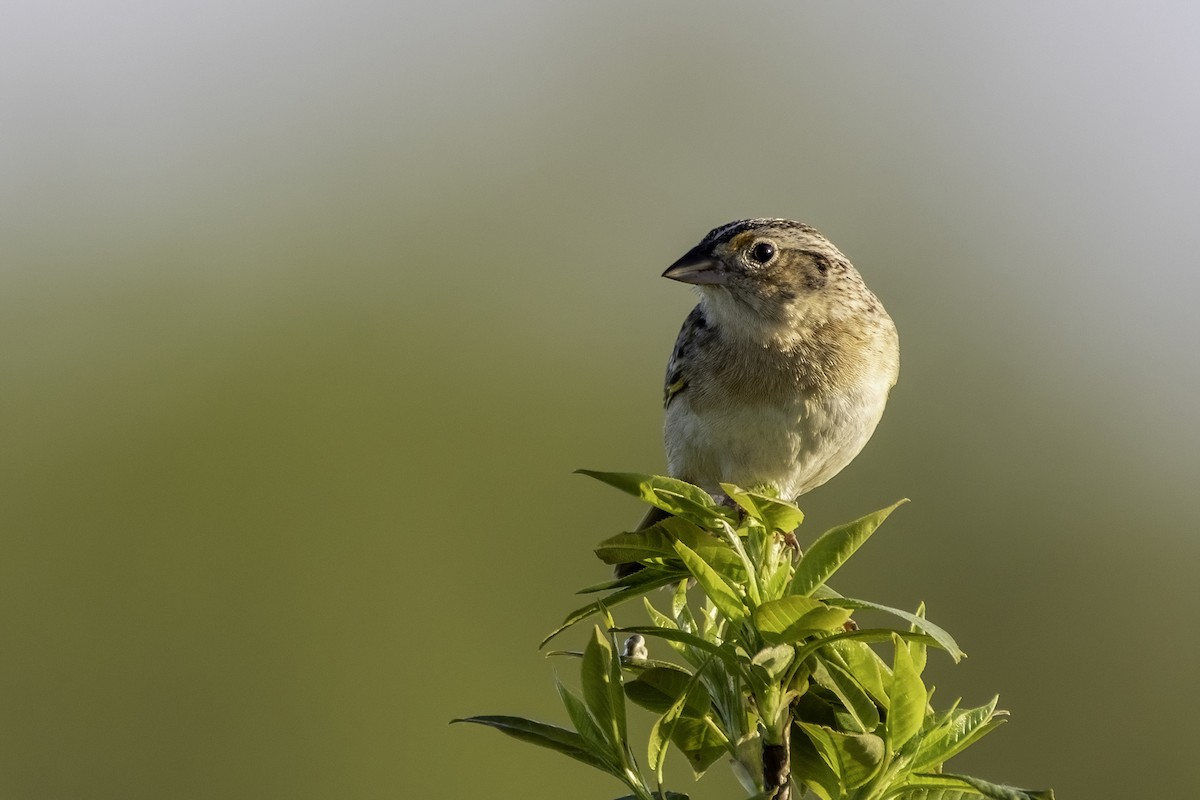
pixel 309 310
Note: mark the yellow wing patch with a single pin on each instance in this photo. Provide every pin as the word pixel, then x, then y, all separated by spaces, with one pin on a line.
pixel 673 389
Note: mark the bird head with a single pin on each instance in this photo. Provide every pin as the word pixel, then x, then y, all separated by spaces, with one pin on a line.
pixel 759 274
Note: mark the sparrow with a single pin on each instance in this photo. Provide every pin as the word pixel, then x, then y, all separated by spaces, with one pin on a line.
pixel 780 373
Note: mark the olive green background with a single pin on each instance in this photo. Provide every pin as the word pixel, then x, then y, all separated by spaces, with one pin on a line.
pixel 309 310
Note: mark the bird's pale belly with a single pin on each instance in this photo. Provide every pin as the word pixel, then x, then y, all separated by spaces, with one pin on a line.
pixel 794 447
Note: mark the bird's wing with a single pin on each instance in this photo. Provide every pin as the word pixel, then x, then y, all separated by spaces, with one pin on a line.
pixel 685 345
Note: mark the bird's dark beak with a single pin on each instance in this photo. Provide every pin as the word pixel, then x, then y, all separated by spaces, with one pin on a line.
pixel 696 267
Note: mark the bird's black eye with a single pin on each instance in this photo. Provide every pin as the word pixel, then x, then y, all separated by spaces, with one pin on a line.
pixel 763 252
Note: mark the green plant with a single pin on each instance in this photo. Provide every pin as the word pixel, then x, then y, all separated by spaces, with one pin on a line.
pixel 773 672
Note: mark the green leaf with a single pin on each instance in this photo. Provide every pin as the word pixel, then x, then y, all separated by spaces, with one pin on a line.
pixel 723 559
pixel 583 722
pixel 748 575
pixel 658 689
pixel 699 742
pixel 569 743
pixel 943 639
pixel 917 650
pixel 865 665
pixel 789 618
pixel 644 486
pixel 693 657
pixel 907 699
pixel 810 768
pixel 853 758
pixel 616 689
pixel 649 580
pixel 960 730
pixel 660 735
pixel 663 621
pixel 935 786
pixel 643 545
pixel 775 514
pixel 602 690
pixel 858 704
pixel 833 548
pixel 657 617
pixel 680 609
pixel 777 578
pixel 664 728
pixel 655 545
pixel 671 495
pixel 654 542
pixel 681 505
pixel 721 593
pixel 774 661
pixel 863 635
pixel 657 796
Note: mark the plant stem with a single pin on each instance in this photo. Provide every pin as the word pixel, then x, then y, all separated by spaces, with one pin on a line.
pixel 777 767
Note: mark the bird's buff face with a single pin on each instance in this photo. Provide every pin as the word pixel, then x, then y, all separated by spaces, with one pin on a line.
pixel 763 275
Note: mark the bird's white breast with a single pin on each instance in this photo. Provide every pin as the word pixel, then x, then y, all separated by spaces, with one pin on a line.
pixel 794 444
